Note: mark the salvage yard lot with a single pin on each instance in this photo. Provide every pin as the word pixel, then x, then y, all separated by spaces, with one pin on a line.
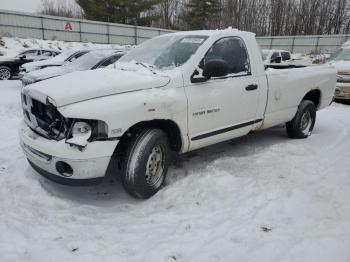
pixel 263 197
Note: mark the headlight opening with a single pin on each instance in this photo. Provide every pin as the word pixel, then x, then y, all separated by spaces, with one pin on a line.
pixel 82 132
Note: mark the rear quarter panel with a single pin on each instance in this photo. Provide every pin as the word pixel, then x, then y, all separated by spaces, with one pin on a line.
pixel 288 87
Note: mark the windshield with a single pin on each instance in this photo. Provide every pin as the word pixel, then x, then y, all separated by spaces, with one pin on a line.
pixel 165 52
pixel 341 54
pixel 89 60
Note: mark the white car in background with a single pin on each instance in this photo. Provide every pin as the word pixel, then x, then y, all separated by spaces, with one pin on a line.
pixel 276 56
pixel 67 56
pixel 90 61
pixel 341 61
pixel 10 65
pixel 284 59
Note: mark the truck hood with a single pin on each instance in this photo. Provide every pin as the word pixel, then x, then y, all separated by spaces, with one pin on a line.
pixel 343 67
pixel 84 85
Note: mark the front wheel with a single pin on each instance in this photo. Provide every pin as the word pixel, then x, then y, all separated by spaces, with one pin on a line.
pixel 303 123
pixel 146 163
pixel 5 73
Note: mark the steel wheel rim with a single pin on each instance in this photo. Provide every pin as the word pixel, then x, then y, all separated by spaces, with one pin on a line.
pixel 5 74
pixel 155 166
pixel 306 123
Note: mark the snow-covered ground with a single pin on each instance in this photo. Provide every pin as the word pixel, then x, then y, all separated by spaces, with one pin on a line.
pixel 261 198
pixel 10 46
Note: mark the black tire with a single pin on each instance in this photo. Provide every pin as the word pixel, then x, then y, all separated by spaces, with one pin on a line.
pixel 139 163
pixel 303 123
pixel 5 73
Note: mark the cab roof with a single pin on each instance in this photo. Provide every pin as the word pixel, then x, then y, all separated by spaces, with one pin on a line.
pixel 228 31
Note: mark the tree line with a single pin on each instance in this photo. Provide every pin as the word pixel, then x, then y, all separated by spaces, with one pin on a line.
pixel 264 17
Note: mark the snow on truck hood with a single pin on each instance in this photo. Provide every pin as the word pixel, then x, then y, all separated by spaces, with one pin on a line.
pixel 85 85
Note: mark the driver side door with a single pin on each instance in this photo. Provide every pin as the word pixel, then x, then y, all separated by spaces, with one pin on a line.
pixel 225 107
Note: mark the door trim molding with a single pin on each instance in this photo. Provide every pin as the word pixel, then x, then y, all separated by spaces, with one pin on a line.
pixel 227 129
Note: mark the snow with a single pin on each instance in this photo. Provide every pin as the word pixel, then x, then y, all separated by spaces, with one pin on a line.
pixel 262 197
pixel 45 73
pixel 11 46
pixel 346 44
pixel 64 89
pixel 56 61
pixel 341 66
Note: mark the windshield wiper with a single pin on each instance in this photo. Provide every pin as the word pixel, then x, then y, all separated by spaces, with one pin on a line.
pixel 139 63
pixel 149 67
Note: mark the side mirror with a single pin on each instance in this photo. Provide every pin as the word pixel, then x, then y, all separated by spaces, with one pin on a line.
pixel 277 59
pixel 216 68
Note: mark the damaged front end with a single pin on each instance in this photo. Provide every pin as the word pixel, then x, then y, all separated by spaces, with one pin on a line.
pixel 45 120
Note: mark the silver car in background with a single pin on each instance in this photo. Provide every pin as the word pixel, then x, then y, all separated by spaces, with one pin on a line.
pixel 90 61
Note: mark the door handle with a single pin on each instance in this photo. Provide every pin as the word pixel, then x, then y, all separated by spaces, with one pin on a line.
pixel 251 87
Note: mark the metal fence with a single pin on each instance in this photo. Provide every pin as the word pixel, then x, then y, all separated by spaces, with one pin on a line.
pixel 325 44
pixel 26 25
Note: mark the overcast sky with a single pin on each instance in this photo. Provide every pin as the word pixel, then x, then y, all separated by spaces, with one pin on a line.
pixel 22 5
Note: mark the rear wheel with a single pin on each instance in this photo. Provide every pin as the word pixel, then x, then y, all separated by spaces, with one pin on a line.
pixel 146 163
pixel 5 73
pixel 303 123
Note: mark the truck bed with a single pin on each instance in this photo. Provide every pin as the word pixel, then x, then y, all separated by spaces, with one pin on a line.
pixel 287 88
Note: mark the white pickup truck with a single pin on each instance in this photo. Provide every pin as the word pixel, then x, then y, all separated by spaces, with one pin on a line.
pixel 172 94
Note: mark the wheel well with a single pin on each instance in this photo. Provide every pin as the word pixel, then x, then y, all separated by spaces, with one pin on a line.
pixel 168 126
pixel 314 96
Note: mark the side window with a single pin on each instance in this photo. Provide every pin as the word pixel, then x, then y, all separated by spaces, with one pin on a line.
pixel 233 51
pixel 76 56
pixel 105 63
pixel 285 56
pixel 274 55
pixel 110 61
pixel 46 53
pixel 30 53
pixel 115 59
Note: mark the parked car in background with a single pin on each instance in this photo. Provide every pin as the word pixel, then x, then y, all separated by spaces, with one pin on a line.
pixel 341 61
pixel 276 56
pixel 67 56
pixel 172 94
pixel 9 66
pixel 92 60
pixel 280 59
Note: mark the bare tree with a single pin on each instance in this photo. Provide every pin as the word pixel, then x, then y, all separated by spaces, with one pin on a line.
pixel 264 17
pixel 169 10
pixel 288 17
pixel 61 8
